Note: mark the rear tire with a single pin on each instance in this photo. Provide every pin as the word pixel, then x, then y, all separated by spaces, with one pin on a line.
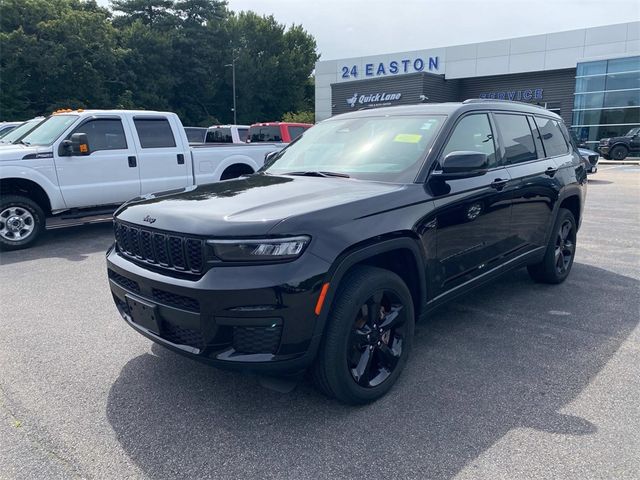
pixel 619 152
pixel 21 222
pixel 235 171
pixel 368 336
pixel 561 249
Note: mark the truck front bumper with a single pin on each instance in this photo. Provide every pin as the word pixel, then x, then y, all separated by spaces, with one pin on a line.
pixel 256 318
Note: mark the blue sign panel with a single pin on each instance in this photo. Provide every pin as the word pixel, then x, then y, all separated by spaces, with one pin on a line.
pixel 394 67
pixel 525 95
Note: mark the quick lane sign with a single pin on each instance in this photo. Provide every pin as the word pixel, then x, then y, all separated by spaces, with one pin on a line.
pixel 373 99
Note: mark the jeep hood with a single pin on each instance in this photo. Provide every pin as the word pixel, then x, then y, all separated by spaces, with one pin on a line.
pixel 252 205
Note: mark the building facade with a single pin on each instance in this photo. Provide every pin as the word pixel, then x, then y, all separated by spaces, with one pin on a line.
pixel 590 77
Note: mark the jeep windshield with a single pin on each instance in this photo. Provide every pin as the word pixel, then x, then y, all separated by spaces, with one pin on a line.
pixel 387 149
pixel 48 131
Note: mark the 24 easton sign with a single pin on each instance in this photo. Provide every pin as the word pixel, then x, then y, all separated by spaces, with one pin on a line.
pixel 371 99
pixel 394 67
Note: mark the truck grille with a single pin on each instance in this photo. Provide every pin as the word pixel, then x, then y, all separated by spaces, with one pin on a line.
pixel 161 249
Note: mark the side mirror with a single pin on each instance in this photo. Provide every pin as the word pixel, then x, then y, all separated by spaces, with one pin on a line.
pixel 269 156
pixel 463 164
pixel 77 145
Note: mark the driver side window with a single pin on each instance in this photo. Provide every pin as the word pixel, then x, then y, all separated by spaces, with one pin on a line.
pixel 473 133
pixel 103 134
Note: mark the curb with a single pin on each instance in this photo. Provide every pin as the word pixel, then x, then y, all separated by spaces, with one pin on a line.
pixel 618 162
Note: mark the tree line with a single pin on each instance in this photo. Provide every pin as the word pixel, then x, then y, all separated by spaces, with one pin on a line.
pixel 152 54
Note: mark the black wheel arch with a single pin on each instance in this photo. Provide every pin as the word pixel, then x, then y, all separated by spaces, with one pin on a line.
pixel 26 188
pixel 375 252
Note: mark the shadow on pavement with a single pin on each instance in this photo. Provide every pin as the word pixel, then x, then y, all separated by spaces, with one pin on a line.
pixel 511 354
pixel 72 243
pixel 594 181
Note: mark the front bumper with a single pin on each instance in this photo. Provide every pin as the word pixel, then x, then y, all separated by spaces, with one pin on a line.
pixel 256 318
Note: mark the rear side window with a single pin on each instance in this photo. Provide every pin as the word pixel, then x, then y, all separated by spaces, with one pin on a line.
pixel 154 133
pixel 219 135
pixel 242 133
pixel 295 132
pixel 473 134
pixel 195 135
pixel 517 138
pixel 265 134
pixel 552 137
pixel 103 134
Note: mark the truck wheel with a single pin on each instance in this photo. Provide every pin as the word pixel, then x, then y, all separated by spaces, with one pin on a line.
pixel 619 152
pixel 235 171
pixel 21 222
pixel 561 250
pixel 368 336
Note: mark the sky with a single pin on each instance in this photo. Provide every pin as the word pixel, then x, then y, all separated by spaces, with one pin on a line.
pixel 352 28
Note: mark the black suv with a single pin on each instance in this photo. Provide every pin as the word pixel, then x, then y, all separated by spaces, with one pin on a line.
pixel 619 148
pixel 327 256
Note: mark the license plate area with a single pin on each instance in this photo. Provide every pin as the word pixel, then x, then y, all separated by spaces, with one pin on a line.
pixel 144 314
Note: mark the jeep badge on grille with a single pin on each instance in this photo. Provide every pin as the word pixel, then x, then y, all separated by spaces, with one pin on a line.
pixel 149 219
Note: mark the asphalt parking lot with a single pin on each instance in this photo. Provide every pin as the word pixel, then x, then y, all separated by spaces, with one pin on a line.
pixel 516 380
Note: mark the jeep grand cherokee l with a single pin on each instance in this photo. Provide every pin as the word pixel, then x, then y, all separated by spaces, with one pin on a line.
pixel 325 258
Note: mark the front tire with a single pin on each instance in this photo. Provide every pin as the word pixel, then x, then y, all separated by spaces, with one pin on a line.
pixel 561 249
pixel 21 222
pixel 368 336
pixel 619 152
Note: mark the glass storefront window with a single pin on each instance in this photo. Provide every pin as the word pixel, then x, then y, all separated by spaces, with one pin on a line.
pixel 607 98
pixel 591 68
pixel 629 64
pixel 588 100
pixel 590 84
pixel 604 117
pixel 622 99
pixel 622 81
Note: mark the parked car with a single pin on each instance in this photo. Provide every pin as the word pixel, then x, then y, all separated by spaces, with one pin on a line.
pixel 227 134
pixel 326 257
pixel 276 131
pixel 196 134
pixel 590 158
pixel 20 131
pixel 619 148
pixel 78 166
pixel 6 127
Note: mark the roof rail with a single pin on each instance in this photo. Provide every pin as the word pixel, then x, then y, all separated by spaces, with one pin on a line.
pixel 496 100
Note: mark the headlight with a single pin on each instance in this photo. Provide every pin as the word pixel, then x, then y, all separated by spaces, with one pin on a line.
pixel 259 250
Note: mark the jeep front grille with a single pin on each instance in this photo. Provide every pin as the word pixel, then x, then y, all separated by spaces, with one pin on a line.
pixel 160 249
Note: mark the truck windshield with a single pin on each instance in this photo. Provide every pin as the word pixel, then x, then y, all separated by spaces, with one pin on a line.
pixel 48 131
pixel 387 149
pixel 632 132
pixel 20 131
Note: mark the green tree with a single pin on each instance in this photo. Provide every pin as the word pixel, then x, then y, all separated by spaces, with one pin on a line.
pixel 55 53
pixel 273 66
pixel 306 116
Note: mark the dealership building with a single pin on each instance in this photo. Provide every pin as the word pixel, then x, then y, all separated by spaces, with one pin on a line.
pixel 590 77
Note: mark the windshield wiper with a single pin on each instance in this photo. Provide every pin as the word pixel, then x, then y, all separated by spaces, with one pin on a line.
pixel 24 143
pixel 318 173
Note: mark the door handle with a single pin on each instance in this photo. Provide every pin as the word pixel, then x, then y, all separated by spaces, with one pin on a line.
pixel 133 162
pixel 180 159
pixel 551 171
pixel 498 183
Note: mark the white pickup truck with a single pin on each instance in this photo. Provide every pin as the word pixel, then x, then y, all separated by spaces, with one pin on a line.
pixel 78 166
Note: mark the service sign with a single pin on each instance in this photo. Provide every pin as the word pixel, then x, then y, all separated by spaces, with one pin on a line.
pixel 394 67
pixel 373 99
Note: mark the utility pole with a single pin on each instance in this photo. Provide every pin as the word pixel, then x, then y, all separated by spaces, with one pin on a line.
pixel 233 76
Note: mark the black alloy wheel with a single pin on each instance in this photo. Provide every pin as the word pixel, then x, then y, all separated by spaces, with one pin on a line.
pixel 377 338
pixel 556 264
pixel 619 153
pixel 565 246
pixel 368 336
